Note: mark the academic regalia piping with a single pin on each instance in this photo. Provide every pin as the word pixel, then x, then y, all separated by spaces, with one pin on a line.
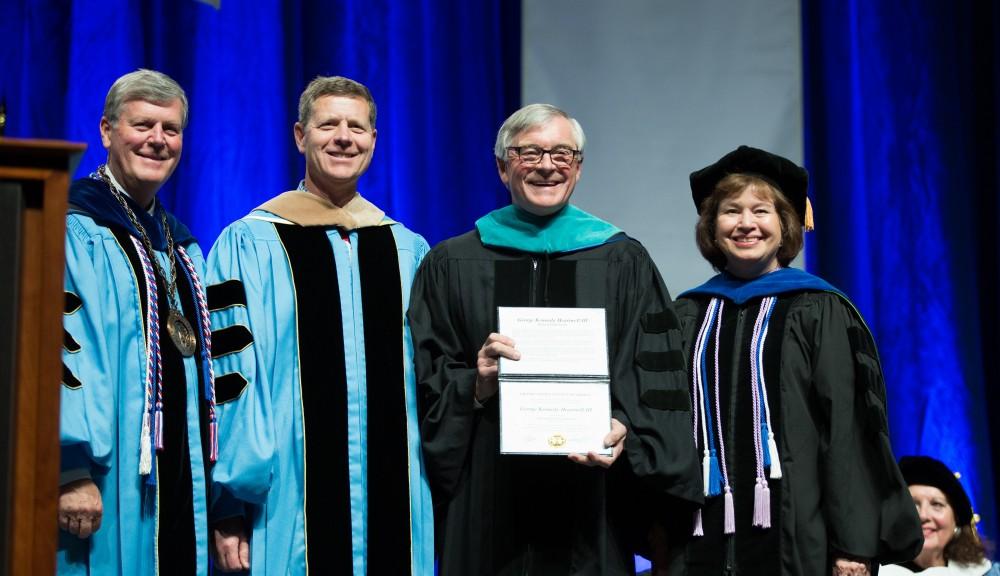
pixel 502 515
pixel 319 438
pixel 790 419
pixel 102 401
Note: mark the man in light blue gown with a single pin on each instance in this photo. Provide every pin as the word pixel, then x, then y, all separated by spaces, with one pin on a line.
pixel 137 401
pixel 320 462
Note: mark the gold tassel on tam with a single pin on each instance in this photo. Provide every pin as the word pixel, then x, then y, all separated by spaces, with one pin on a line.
pixel 809 225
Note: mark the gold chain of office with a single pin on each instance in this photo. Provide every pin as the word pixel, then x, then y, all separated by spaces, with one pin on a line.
pixel 178 327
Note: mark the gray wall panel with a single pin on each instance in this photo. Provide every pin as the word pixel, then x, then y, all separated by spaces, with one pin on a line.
pixel 663 88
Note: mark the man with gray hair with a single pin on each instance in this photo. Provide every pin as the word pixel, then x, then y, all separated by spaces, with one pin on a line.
pixel 138 413
pixel 530 514
pixel 320 450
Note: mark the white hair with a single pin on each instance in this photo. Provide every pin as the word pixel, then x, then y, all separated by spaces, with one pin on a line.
pixel 533 116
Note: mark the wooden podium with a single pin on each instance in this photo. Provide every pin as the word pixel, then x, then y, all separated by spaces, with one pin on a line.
pixel 34 179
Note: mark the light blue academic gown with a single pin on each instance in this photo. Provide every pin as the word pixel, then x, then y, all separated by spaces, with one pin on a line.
pixel 102 407
pixel 262 459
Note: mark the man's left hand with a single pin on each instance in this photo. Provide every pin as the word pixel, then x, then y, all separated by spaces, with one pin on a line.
pixel 231 545
pixel 614 440
pixel 80 507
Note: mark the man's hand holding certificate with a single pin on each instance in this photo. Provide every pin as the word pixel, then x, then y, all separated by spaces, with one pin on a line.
pixel 554 388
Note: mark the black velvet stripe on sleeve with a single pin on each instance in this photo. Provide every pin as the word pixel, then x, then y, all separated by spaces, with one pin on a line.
pixel 667 399
pixel 230 340
pixel 323 383
pixel 229 387
pixel 73 303
pixel 868 379
pixel 389 537
pixel 69 343
pixel 70 380
pixel 660 322
pixel 226 294
pixel 859 340
pixel 660 361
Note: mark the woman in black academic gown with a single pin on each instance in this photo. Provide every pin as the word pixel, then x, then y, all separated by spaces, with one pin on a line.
pixel 789 402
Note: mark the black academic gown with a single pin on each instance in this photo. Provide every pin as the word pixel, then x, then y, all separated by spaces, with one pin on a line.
pixel 541 515
pixel 841 492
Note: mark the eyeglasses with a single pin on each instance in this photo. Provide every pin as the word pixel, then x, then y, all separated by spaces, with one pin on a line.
pixel 561 156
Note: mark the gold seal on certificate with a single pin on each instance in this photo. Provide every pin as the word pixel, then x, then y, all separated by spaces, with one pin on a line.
pixel 557 398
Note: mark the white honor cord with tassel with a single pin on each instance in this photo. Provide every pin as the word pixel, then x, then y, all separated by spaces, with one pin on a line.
pixel 761 494
pixel 145 434
pixel 729 525
pixel 772 443
pixel 699 397
pixel 145 451
pixel 772 448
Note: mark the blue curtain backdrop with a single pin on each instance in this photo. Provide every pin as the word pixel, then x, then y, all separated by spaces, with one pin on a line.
pixel 444 74
pixel 901 143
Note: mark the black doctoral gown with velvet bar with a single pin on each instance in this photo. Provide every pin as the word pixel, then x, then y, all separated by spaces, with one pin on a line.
pixel 545 515
pixel 840 492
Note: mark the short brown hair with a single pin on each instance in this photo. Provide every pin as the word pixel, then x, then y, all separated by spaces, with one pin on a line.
pixel 334 86
pixel 731 185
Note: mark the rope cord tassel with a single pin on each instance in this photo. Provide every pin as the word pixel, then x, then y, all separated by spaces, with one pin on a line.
pixel 771 457
pixel 761 504
pixel 762 499
pixel 721 460
pixel 206 351
pixel 154 368
pixel 729 525
pixel 712 476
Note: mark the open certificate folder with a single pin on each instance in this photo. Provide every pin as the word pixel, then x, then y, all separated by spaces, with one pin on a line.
pixel 557 398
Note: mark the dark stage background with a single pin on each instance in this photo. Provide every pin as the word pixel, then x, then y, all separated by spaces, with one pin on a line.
pixel 901 139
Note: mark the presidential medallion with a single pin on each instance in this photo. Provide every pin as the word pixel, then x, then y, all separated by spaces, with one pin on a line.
pixel 181 333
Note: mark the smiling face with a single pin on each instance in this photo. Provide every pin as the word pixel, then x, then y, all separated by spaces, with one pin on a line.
pixel 542 188
pixel 748 232
pixel 144 145
pixel 338 142
pixel 937 519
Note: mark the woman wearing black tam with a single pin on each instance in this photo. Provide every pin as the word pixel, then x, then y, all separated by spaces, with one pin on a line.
pixel 787 391
pixel 951 544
